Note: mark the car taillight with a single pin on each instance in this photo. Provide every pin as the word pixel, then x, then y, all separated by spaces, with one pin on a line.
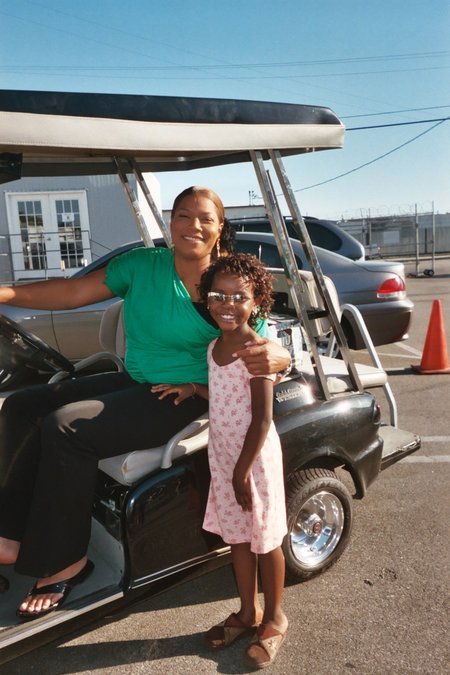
pixel 392 288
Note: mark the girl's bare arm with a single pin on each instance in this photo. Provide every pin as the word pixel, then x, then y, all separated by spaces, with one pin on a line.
pixel 262 402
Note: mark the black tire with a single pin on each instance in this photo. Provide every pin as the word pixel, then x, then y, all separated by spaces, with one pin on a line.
pixel 319 517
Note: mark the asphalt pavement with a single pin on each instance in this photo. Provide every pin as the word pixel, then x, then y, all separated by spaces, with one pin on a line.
pixel 382 609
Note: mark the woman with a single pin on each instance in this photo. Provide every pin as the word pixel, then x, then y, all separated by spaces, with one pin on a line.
pixel 52 436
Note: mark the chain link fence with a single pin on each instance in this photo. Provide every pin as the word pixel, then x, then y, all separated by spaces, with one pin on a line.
pixel 406 235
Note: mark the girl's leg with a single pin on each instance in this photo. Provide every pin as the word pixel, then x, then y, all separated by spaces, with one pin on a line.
pixel 272 571
pixel 271 632
pixel 245 565
pixel 248 617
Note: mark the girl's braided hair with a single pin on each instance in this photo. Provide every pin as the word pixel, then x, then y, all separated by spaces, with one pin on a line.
pixel 249 268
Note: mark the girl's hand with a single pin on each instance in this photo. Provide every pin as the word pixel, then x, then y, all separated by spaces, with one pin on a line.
pixel 262 356
pixel 242 491
pixel 183 391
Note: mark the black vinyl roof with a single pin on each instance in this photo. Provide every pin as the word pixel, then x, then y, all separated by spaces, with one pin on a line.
pixel 62 133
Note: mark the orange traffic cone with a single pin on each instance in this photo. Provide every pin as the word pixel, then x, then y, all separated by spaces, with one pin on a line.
pixel 434 356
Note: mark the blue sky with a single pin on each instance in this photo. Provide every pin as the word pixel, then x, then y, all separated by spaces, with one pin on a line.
pixel 377 63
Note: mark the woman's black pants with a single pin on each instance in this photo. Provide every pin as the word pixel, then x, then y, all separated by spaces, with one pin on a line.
pixel 51 439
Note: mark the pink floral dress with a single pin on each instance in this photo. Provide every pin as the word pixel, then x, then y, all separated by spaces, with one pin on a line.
pixel 230 414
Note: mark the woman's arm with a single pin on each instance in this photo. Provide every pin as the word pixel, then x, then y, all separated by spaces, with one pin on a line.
pixel 262 402
pixel 262 356
pixel 58 293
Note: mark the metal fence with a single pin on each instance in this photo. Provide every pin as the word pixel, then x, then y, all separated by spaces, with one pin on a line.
pixel 416 234
pixel 45 255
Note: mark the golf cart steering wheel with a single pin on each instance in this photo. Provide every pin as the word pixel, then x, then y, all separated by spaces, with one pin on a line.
pixel 20 348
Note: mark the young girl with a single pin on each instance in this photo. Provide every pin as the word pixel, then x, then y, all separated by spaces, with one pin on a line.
pixel 246 504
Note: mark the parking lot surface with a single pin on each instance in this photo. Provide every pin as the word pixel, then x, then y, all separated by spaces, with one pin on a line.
pixel 382 609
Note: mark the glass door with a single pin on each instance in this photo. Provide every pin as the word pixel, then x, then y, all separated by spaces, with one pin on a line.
pixel 49 233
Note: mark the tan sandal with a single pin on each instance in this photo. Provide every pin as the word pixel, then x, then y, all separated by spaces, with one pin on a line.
pixel 224 634
pixel 264 647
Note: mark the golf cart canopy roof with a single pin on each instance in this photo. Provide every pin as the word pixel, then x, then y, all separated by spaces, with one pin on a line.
pixel 56 133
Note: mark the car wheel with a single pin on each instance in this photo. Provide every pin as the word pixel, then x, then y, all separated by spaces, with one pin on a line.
pixel 319 518
pixel 10 379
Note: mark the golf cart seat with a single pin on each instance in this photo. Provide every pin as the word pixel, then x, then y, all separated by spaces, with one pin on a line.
pixel 131 467
pixel 335 369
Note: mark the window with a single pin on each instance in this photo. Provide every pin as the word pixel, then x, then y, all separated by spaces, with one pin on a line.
pixel 32 234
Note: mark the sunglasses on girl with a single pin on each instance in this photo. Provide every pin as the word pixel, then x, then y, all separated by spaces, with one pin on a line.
pixel 236 298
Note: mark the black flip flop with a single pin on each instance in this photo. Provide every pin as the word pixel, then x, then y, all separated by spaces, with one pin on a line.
pixel 63 587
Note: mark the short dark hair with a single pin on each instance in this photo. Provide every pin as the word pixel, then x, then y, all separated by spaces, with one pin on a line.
pixel 247 267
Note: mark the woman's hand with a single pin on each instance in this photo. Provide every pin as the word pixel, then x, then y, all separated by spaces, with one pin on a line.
pixel 263 357
pixel 183 391
pixel 241 487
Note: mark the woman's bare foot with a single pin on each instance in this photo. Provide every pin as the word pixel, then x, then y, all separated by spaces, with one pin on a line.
pixel 42 602
pixel 9 550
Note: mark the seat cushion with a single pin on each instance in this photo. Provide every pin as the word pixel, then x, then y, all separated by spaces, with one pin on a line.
pixel 132 467
pixel 337 376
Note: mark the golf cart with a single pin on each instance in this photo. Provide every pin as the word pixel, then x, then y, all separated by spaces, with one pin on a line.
pixel 148 511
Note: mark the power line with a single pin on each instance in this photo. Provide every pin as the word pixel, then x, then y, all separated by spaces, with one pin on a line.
pixel 393 112
pixel 383 57
pixel 398 124
pixel 372 161
pixel 221 66
pixel 53 71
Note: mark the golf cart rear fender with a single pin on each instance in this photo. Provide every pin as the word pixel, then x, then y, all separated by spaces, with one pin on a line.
pixel 338 433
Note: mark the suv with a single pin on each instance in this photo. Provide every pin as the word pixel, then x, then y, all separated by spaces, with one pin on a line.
pixel 324 233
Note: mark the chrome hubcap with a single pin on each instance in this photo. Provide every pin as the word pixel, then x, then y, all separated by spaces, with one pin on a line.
pixel 318 528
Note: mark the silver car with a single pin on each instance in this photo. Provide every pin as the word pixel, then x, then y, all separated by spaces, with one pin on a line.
pixel 324 233
pixel 377 288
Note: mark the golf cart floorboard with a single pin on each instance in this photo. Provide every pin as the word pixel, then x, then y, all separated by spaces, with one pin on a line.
pixel 397 444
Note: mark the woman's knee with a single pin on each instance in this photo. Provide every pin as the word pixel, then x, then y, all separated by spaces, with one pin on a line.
pixel 31 403
pixel 71 427
pixel 21 405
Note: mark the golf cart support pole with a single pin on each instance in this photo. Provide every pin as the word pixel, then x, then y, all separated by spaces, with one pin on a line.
pixel 134 204
pixel 299 225
pixel 150 201
pixel 289 263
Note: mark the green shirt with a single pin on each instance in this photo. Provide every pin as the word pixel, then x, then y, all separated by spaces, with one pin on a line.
pixel 166 337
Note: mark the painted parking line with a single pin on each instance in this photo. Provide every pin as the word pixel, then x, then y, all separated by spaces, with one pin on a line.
pixel 407 348
pixel 396 356
pixel 410 351
pixel 426 459
pixel 435 439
